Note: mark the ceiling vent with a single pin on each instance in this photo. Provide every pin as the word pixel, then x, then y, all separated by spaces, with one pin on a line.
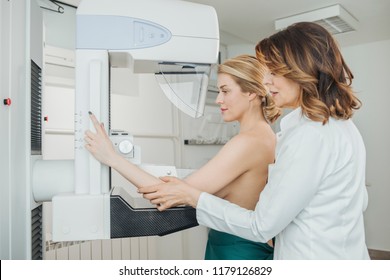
pixel 334 18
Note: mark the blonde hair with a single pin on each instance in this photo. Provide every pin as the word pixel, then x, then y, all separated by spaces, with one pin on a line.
pixel 248 73
pixel 307 53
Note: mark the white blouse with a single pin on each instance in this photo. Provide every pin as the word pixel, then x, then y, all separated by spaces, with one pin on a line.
pixel 314 199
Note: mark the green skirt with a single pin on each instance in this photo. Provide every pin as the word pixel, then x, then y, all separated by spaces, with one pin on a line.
pixel 224 246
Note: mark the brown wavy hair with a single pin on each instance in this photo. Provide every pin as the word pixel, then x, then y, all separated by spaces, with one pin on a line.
pixel 248 73
pixel 307 53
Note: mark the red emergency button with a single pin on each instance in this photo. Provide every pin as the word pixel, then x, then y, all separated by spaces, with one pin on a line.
pixel 7 101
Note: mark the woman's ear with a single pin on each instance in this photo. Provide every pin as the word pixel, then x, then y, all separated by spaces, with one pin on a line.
pixel 252 96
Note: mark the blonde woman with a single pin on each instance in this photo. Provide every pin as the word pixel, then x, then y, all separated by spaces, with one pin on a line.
pixel 239 171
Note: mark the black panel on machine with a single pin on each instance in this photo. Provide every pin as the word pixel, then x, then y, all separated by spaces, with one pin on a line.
pixel 127 221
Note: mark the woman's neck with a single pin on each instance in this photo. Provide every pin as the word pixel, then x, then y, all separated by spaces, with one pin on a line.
pixel 252 119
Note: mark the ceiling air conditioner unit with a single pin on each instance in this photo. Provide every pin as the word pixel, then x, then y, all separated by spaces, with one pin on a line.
pixel 334 18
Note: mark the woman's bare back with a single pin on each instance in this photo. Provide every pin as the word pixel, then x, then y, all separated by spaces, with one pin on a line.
pixel 246 188
pixel 238 173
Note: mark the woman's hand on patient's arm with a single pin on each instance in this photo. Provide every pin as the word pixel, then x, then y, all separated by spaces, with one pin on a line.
pixel 99 144
pixel 172 193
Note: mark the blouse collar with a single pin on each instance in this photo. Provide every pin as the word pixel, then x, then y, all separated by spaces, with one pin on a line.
pixel 291 119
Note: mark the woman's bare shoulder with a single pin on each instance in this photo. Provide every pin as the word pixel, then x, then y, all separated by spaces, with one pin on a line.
pixel 260 135
pixel 257 141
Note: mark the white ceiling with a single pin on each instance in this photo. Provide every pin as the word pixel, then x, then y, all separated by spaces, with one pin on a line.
pixel 251 20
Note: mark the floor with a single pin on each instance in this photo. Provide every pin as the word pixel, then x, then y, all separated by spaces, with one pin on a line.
pixel 379 255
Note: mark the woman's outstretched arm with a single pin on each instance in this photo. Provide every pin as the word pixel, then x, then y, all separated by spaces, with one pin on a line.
pixel 100 146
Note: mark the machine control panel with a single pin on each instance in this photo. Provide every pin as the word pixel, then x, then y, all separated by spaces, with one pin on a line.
pixel 123 143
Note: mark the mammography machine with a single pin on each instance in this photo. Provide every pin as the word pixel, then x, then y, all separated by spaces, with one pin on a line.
pixel 176 40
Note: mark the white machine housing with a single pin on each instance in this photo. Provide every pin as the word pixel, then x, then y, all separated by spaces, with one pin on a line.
pixel 176 40
pixel 21 80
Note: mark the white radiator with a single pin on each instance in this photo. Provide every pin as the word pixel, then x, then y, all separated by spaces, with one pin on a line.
pixel 188 245
pixel 112 249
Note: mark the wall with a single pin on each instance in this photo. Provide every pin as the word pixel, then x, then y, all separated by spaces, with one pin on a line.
pixel 234 50
pixel 61 28
pixel 370 65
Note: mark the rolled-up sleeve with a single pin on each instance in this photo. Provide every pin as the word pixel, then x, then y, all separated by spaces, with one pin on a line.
pixel 293 180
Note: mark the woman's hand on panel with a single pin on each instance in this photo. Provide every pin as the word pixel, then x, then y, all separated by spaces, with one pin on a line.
pixel 99 143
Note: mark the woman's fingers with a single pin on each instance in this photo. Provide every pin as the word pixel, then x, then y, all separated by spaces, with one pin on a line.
pixel 99 127
pixel 151 196
pixel 160 202
pixel 162 207
pixel 157 201
pixel 89 134
pixel 148 189
pixel 94 120
pixel 156 197
pixel 168 179
pixel 166 195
